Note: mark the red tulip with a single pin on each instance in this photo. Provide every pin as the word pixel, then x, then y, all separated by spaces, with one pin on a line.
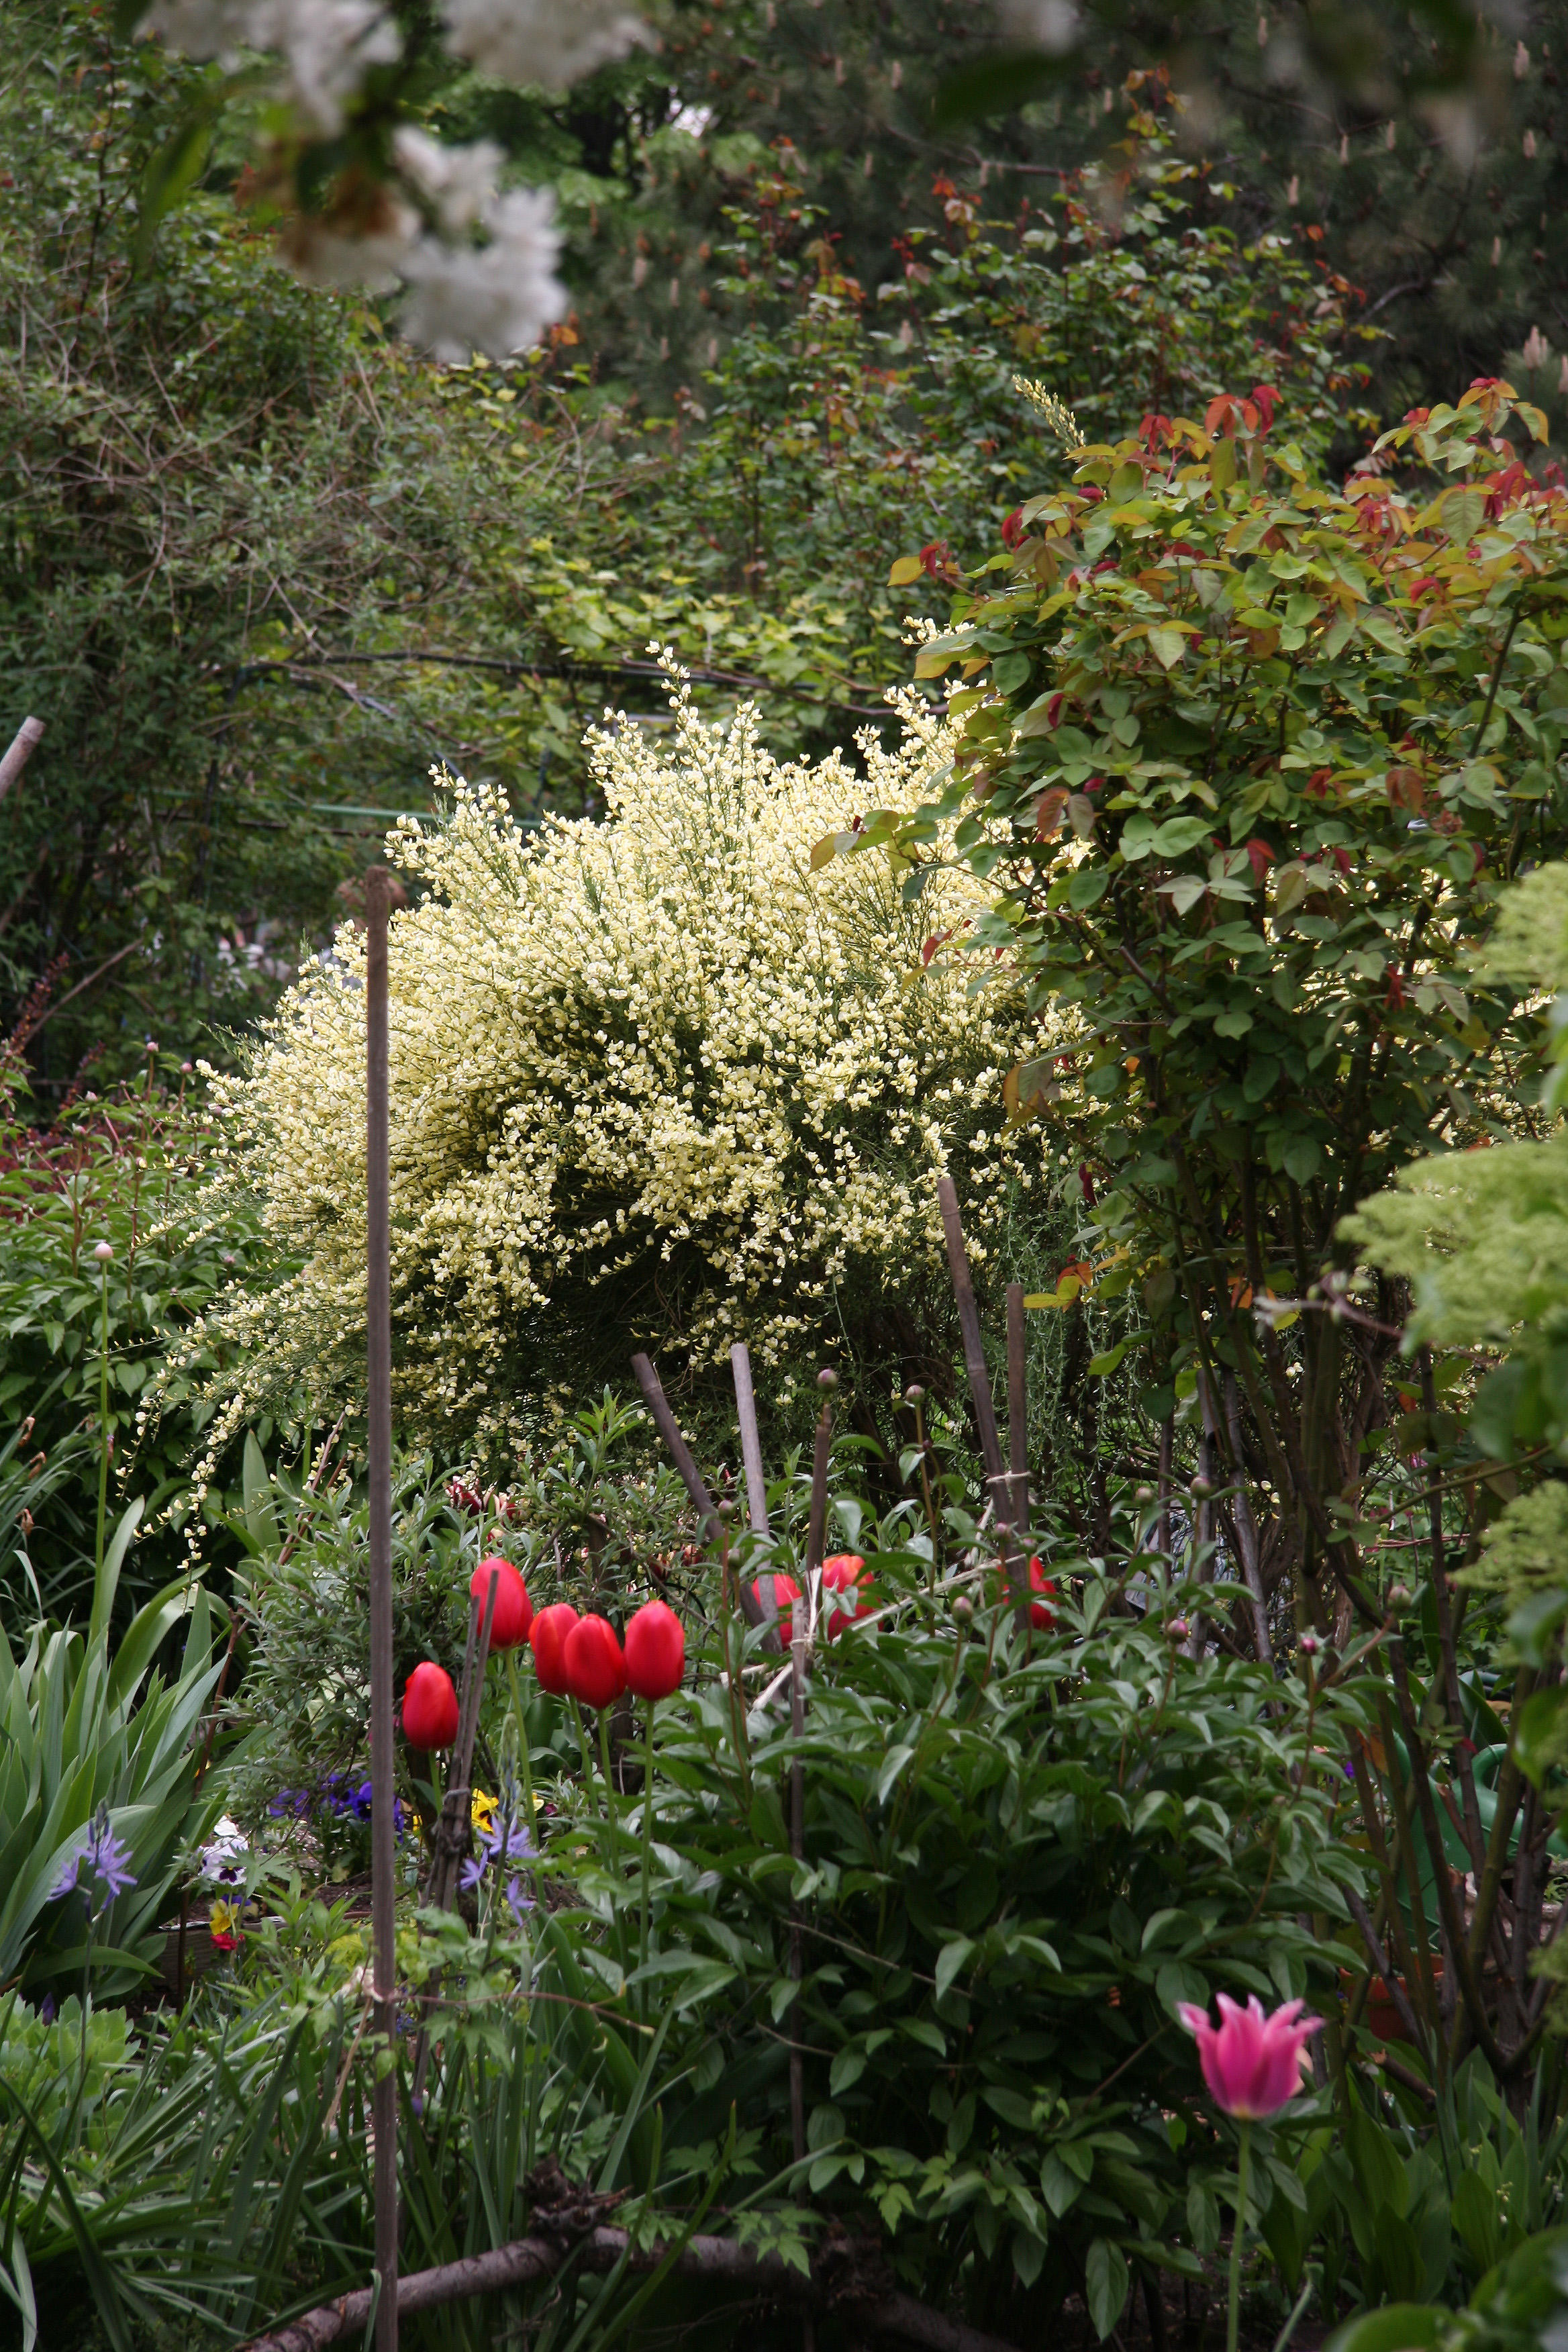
pixel 595 1669
pixel 429 1707
pixel 547 1638
pixel 845 1572
pixel 786 1591
pixel 656 1652
pixel 1041 1614
pixel 513 1611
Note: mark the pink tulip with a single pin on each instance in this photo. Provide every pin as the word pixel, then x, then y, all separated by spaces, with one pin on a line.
pixel 1251 2062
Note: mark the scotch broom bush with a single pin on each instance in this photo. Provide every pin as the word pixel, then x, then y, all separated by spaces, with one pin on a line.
pixel 654 1080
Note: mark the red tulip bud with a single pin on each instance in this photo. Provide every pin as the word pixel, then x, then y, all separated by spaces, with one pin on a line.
pixel 429 1707
pixel 656 1651
pixel 595 1669
pixel 513 1610
pixel 786 1591
pixel 1041 1614
pixel 846 1572
pixel 547 1638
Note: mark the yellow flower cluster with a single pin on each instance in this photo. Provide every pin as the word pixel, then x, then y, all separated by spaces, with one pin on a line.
pixel 654 1079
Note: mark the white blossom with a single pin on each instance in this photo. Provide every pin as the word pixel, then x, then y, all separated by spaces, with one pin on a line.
pixel 496 298
pixel 323 254
pixel 460 182
pixel 325 45
pixel 621 1038
pixel 542 42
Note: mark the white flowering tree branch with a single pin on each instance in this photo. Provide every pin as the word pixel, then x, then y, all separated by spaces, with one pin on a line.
pixel 368 197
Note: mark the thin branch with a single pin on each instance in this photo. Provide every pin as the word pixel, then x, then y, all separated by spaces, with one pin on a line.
pixel 765 2277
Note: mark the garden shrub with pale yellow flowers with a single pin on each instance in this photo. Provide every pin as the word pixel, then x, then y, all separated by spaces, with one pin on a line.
pixel 655 1082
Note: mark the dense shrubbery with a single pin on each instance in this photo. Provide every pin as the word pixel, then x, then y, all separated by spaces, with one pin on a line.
pixel 1185 937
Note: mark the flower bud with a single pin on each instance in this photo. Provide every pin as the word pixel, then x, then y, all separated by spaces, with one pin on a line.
pixel 547 1640
pixel 828 1378
pixel 103 1252
pixel 914 1393
pixel 1201 1489
pixel 656 1651
pixel 1042 1616
pixel 1309 1645
pixel 1143 1497
pixel 513 1610
pixel 595 1669
pixel 785 1593
pixel 1398 1597
pixel 429 1707
pixel 963 1609
pixel 1176 1629
pixel 843 1575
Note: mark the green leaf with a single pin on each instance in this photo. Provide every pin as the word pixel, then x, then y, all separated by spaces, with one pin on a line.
pixel 1167 645
pixel 1202 2217
pixel 1105 2285
pixel 1262 1074
pixel 953 1957
pixel 1536 1737
pixel 1180 834
pixel 1398 2327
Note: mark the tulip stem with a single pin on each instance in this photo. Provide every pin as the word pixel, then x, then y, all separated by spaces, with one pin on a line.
pixel 1233 2319
pixel 613 1827
pixel 647 1841
pixel 582 1741
pixel 524 1750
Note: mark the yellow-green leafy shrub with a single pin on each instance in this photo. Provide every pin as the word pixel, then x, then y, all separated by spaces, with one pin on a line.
pixel 654 1079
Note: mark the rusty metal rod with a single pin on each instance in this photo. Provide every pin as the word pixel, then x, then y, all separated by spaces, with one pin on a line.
pixel 378 1366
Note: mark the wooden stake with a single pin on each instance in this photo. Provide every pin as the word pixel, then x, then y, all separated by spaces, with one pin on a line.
pixel 378 1335
pixel 980 1389
pixel 668 1429
pixel 750 1442
pixel 20 752
pixel 974 1346
pixel 1018 1410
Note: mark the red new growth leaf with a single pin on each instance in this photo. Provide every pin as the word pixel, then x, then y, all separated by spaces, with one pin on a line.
pixel 1262 858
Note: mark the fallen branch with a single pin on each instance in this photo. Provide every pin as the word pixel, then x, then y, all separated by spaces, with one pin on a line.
pixel 765 2276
